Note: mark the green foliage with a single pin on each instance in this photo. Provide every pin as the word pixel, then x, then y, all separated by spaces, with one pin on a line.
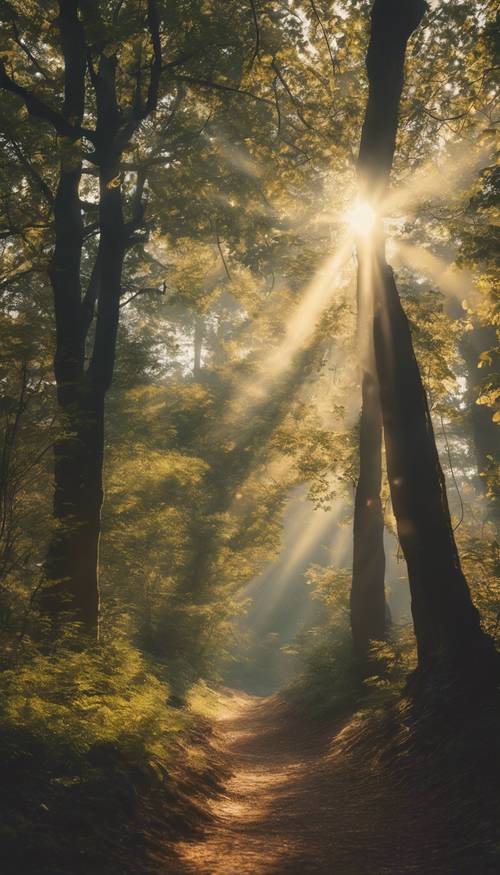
pixel 330 682
pixel 71 701
pixel 98 763
pixel 247 167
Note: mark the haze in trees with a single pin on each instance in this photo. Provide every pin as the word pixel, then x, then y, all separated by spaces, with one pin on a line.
pixel 249 577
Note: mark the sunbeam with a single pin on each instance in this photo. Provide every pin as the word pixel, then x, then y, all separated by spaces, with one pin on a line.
pixel 452 282
pixel 251 391
pixel 434 181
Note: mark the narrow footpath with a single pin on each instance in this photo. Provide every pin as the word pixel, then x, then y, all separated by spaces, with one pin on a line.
pixel 299 800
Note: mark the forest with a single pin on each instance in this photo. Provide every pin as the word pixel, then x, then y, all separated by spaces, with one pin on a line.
pixel 249 437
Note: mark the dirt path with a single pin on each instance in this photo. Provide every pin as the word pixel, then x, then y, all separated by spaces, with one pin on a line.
pixel 296 803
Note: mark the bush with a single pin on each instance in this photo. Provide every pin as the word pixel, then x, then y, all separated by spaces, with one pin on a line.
pixel 73 700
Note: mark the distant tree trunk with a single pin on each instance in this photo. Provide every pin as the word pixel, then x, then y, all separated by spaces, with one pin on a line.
pixel 197 346
pixel 485 433
pixel 447 625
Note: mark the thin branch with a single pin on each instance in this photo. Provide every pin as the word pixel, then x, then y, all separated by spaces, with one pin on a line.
pixel 450 118
pixel 24 48
pixel 221 253
pixel 145 290
pixel 44 188
pixel 323 31
pixel 292 97
pixel 220 86
pixel 448 453
pixel 276 100
pixel 257 34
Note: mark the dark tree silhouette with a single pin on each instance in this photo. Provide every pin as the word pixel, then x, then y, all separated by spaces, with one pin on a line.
pixel 447 625
pixel 71 566
pixel 392 25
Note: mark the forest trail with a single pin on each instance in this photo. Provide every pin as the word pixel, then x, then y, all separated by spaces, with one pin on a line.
pixel 298 802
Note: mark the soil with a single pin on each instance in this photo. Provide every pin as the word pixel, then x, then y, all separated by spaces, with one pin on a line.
pixel 310 799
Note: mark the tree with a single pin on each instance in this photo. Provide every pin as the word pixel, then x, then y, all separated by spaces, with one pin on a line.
pixel 368 608
pixel 95 79
pixel 89 51
pixel 447 625
pixel 367 596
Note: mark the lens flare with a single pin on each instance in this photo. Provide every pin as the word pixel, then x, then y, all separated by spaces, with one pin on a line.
pixel 360 218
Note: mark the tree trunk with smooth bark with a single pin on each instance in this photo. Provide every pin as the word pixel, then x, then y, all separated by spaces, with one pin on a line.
pixel 447 625
pixel 385 62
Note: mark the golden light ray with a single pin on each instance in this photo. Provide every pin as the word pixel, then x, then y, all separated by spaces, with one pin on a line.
pixel 301 543
pixel 302 322
pixel 449 280
pixel 236 156
pixel 432 181
pixel 308 528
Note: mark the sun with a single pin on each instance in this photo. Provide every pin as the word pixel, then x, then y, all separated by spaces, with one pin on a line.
pixel 361 218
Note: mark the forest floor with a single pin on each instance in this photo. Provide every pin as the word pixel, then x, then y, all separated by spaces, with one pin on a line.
pixel 305 798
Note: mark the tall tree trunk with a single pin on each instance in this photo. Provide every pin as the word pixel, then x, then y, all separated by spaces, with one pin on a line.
pixel 447 625
pixel 446 622
pixel 70 565
pixel 367 601
pixel 368 606
pixel 72 568
pixel 72 560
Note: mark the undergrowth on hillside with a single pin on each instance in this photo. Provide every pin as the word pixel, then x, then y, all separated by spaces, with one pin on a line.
pixel 93 751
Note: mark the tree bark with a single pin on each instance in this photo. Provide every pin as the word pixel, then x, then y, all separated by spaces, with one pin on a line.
pixel 447 625
pixel 367 600
pixel 71 566
pixel 70 570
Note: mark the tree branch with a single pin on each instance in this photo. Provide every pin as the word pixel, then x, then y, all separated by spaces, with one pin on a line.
pixel 257 34
pixel 38 109
pixel 220 86
pixel 323 31
pixel 156 65
pixel 36 177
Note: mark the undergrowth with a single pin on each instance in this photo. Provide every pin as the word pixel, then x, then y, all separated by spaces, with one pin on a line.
pixel 332 682
pixel 432 757
pixel 95 760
